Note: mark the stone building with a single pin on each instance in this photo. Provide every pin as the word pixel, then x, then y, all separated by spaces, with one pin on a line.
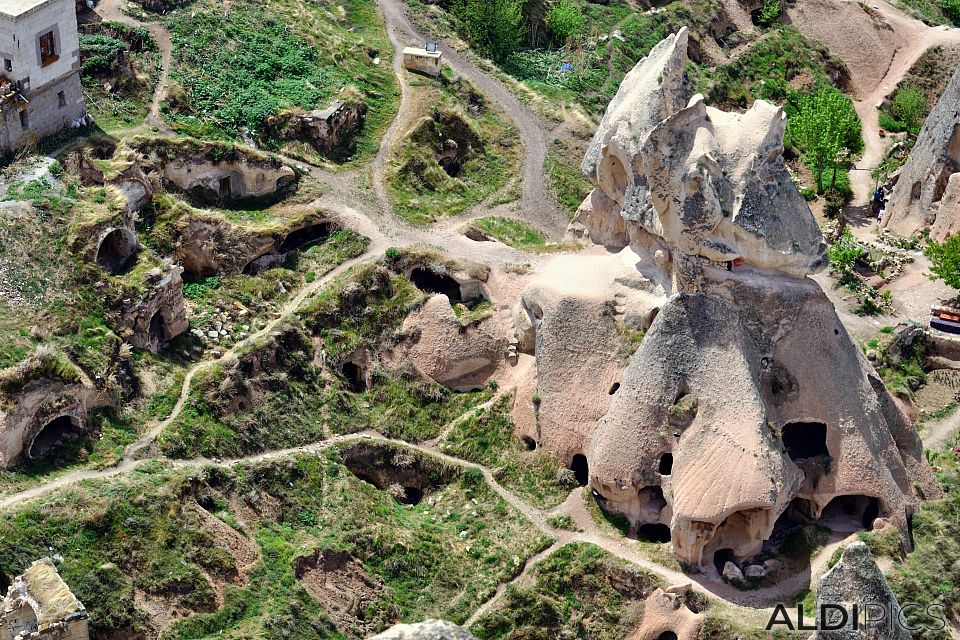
pixel 40 606
pixel 40 91
pixel 422 60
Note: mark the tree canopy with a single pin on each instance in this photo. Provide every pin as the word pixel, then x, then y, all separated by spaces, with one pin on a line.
pixel 493 26
pixel 826 128
pixel 945 261
pixel 565 20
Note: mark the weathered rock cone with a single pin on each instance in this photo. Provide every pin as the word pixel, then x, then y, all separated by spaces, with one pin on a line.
pixel 927 191
pixel 746 402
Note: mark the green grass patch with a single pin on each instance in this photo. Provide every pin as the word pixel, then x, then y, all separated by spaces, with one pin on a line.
pixel 515 233
pixel 487 438
pixel 562 167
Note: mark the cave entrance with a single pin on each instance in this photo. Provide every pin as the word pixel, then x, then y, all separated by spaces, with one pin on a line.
pixel 52 435
pixel 805 440
pixel 722 557
pixel 354 376
pixel 411 495
pixel 4 584
pixel 116 250
pixel 581 469
pixel 667 635
pixel 653 532
pixel 306 237
pixel 529 443
pixel 431 282
pixel 158 327
pixel 614 388
pixel 224 189
pixel 665 466
pixel 847 514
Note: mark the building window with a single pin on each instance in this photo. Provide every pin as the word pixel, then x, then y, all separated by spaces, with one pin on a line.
pixel 8 64
pixel 61 99
pixel 48 49
pixel 24 119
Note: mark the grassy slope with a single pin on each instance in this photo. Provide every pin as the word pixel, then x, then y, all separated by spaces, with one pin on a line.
pixel 235 69
pixel 143 533
pixel 420 189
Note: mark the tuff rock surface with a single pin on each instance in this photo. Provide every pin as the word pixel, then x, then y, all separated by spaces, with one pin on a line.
pixel 926 195
pixel 746 401
pixel 857 579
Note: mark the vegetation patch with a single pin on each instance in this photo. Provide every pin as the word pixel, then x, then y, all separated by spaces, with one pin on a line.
pixel 568 184
pixel 515 233
pixel 119 69
pixel 459 152
pixel 486 437
pixel 580 591
pixel 232 70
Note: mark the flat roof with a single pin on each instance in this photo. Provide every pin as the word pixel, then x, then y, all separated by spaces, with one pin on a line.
pixel 17 9
pixel 413 51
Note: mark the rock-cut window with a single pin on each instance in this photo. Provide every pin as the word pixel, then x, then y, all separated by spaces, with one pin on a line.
pixel 48 49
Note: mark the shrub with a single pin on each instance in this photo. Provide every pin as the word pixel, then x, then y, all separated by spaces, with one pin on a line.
pixel 565 20
pixel 910 106
pixel 945 260
pixel 493 26
pixel 769 13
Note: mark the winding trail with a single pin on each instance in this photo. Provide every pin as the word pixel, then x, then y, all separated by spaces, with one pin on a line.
pixel 537 206
pixel 919 37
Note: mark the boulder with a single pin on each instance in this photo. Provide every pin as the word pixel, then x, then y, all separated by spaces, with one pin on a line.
pixel 732 572
pixel 857 580
pixel 927 192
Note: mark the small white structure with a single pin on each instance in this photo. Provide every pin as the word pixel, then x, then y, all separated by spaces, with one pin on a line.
pixel 40 91
pixel 422 60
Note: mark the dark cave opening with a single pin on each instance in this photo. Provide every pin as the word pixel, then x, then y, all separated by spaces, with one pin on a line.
pixel 529 443
pixel 850 513
pixel 52 435
pixel 353 373
pixel 653 532
pixel 805 440
pixel 667 635
pixel 306 237
pixel 116 250
pixel 721 557
pixel 581 469
pixel 614 388
pixel 430 282
pixel 665 466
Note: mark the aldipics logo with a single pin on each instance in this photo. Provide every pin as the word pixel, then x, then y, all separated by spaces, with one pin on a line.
pixel 868 615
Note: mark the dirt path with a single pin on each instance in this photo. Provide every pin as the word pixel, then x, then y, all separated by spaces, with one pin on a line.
pixel 918 37
pixel 537 205
pixel 112 10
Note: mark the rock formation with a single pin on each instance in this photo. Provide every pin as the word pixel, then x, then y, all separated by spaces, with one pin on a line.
pixel 667 612
pixel 43 402
pixel 153 312
pixel 40 606
pixel 857 580
pixel 746 402
pixel 926 195
pixel 326 129
pixel 427 630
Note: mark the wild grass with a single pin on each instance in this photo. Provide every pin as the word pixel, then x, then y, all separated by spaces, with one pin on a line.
pixel 509 231
pixel 562 167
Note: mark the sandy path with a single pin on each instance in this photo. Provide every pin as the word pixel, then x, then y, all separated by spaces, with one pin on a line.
pixel 918 38
pixel 112 10
pixel 537 204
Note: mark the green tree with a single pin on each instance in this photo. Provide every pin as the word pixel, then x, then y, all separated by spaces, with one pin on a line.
pixel 951 9
pixel 910 106
pixel 565 20
pixel 827 130
pixel 945 261
pixel 492 26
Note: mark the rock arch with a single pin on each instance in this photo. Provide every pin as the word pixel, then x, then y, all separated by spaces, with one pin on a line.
pixel 432 282
pixel 52 434
pixel 116 250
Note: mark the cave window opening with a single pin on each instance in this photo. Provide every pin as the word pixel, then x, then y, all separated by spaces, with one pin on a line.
pixel 52 435
pixel 721 558
pixel 667 635
pixel 354 376
pixel 665 467
pixel 581 469
pixel 115 251
pixel 224 187
pixel 653 532
pixel 804 440
pixel 305 238
pixel 529 443
pixel 431 282
pixel 614 388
